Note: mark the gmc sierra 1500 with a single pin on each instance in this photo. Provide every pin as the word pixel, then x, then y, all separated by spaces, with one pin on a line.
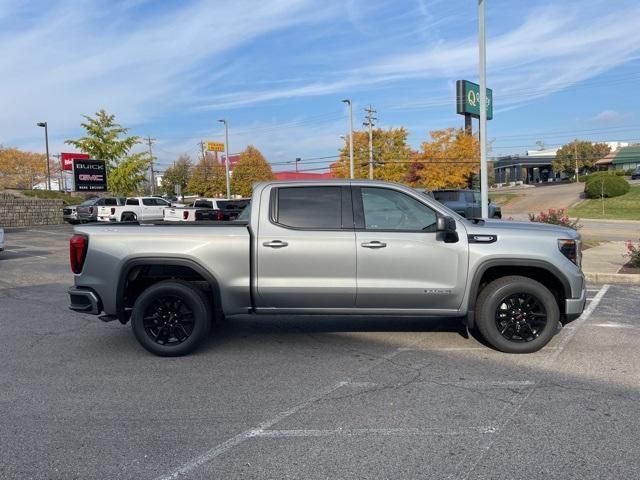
pixel 331 247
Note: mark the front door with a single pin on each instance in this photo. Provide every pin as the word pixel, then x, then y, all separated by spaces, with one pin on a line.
pixel 306 254
pixel 402 262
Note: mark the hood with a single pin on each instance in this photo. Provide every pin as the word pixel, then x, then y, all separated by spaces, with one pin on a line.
pixel 497 226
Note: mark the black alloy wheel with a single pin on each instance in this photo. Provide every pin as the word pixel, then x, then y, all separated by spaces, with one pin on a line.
pixel 521 317
pixel 171 318
pixel 517 314
pixel 168 320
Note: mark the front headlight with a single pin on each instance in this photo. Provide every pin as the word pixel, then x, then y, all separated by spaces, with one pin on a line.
pixel 571 249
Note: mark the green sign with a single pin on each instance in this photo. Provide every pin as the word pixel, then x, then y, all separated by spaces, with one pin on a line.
pixel 468 99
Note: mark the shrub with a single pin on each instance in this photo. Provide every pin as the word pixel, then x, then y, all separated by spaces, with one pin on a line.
pixel 555 217
pixel 606 185
pixel 633 252
pixel 53 195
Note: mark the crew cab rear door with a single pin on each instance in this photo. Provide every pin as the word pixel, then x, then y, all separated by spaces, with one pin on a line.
pixel 306 254
pixel 402 262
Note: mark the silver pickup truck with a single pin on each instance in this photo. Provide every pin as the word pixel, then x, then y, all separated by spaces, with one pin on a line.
pixel 330 247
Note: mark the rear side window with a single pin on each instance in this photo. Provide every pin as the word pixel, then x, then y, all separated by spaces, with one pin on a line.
pixel 203 204
pixel 309 207
pixel 468 197
pixel 232 204
pixel 446 196
pixel 133 201
pixel 110 202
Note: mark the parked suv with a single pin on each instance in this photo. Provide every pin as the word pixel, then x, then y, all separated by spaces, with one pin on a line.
pixel 636 173
pixel 466 203
pixel 88 211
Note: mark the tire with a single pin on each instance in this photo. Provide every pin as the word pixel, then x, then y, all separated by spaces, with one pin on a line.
pixel 128 217
pixel 520 308
pixel 171 318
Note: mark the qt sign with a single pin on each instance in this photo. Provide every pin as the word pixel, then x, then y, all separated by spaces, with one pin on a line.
pixel 89 175
pixel 468 99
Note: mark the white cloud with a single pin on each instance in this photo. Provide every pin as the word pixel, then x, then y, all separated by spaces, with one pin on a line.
pixel 610 116
pixel 76 57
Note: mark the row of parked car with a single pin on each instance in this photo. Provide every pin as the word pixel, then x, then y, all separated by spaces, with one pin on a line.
pixel 120 209
pixel 128 209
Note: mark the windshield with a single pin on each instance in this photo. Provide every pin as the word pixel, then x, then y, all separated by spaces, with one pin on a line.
pixel 88 203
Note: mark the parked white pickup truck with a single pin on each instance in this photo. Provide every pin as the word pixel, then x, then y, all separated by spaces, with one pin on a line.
pixel 219 209
pixel 134 209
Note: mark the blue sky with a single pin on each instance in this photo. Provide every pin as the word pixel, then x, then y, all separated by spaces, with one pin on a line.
pixel 278 70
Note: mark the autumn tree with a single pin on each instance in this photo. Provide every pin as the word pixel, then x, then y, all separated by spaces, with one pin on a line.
pixel 20 169
pixel 447 161
pixel 391 155
pixel 178 174
pixel 207 178
pixel 107 140
pixel 251 168
pixel 587 153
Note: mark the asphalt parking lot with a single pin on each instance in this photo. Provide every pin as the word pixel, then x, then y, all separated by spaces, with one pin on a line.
pixel 306 398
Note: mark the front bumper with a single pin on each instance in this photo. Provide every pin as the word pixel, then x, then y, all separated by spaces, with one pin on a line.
pixel 84 300
pixel 575 306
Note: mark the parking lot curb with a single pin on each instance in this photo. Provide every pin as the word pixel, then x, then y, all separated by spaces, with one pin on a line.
pixel 614 278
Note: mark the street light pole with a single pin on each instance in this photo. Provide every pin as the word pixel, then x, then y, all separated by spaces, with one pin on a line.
pixel 226 156
pixel 484 181
pixel 46 140
pixel 351 168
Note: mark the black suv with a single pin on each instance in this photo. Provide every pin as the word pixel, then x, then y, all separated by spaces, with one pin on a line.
pixel 466 203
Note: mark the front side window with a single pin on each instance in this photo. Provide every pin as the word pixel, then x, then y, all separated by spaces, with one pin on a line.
pixel 149 202
pixel 446 196
pixel 110 202
pixel 386 209
pixel 203 204
pixel 309 207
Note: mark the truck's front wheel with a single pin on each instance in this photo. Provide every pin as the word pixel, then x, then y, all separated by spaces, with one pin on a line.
pixel 517 314
pixel 171 318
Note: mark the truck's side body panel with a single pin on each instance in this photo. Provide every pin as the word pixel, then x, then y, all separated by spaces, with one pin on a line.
pixel 220 250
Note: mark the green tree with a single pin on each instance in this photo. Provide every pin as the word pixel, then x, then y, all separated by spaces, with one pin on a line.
pixel 251 168
pixel 129 175
pixel 391 155
pixel 178 174
pixel 106 140
pixel 207 178
pixel 103 139
pixel 586 153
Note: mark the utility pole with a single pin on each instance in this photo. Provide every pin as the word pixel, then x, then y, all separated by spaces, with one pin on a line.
pixel 482 47
pixel 226 156
pixel 369 123
pixel 351 166
pixel 575 154
pixel 202 149
pixel 151 177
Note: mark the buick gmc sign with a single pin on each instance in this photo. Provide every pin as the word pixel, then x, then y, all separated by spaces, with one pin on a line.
pixel 89 175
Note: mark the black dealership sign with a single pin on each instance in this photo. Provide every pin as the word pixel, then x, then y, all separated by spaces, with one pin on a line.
pixel 89 175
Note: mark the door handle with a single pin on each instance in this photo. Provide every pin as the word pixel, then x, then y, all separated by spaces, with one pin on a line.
pixel 374 244
pixel 275 244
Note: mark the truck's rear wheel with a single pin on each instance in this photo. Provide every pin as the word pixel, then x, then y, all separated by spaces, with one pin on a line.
pixel 171 318
pixel 128 217
pixel 517 314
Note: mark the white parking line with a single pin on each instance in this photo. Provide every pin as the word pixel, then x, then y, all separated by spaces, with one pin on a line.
pixel 357 432
pixel 514 409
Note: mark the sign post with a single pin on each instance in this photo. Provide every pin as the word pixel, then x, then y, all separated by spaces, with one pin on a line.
pixel 89 175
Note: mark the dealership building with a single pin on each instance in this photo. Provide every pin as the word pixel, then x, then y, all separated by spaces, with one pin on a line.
pixel 536 165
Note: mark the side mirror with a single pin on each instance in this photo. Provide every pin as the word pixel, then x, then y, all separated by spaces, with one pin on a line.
pixel 446 229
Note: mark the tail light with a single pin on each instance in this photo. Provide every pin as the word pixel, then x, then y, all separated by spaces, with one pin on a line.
pixel 185 215
pixel 90 210
pixel 219 215
pixel 113 210
pixel 77 252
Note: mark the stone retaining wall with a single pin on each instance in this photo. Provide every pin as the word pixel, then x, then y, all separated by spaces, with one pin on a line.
pixel 26 212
